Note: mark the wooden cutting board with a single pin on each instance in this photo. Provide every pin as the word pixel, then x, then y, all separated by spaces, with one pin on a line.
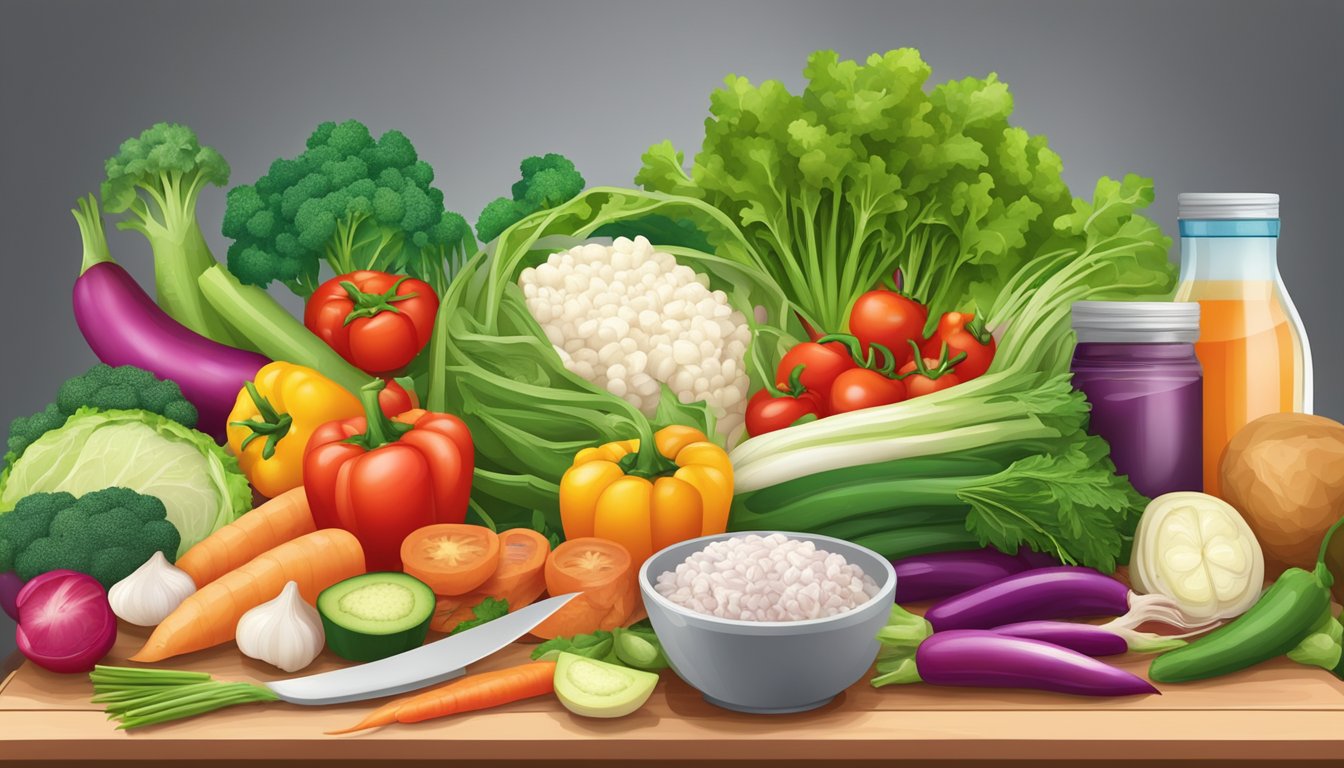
pixel 1276 712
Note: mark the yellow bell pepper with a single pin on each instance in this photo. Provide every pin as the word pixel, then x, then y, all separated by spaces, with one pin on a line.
pixel 648 500
pixel 273 418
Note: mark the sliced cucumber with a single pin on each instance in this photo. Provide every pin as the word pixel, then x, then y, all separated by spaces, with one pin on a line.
pixel 376 615
pixel 595 688
pixel 1197 550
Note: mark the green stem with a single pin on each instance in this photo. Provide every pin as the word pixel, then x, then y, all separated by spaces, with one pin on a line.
pixel 91 233
pixel 273 426
pixel 381 430
pixel 902 672
pixel 647 462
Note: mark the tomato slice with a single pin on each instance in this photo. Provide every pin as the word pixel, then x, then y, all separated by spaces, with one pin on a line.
pixel 520 579
pixel 452 558
pixel 604 572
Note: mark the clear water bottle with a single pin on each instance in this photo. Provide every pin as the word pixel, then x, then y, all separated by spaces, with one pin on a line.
pixel 1252 346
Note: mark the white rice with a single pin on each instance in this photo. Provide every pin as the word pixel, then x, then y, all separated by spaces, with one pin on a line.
pixel 771 578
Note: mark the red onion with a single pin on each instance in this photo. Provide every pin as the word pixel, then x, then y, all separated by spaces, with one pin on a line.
pixel 65 622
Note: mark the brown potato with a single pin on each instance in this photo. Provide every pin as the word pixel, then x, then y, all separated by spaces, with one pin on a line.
pixel 1285 474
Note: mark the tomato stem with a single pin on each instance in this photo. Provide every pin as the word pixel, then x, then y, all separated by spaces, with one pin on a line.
pixel 795 387
pixel 273 426
pixel 369 304
pixel 943 367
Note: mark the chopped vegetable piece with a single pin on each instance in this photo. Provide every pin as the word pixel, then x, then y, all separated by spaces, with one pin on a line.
pixel 593 688
pixel 453 559
pixel 375 615
pixel 602 571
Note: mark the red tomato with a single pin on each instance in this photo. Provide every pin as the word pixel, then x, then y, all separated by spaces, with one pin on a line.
pixel 926 375
pixel 864 388
pixel 767 412
pixel 821 364
pixel 888 318
pixel 963 334
pixel 376 321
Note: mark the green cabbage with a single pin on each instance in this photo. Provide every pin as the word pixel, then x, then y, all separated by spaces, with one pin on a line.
pixel 198 483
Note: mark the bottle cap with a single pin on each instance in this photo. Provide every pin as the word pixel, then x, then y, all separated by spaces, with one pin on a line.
pixel 1136 322
pixel 1227 205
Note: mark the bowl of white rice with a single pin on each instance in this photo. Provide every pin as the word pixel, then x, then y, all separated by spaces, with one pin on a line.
pixel 768 622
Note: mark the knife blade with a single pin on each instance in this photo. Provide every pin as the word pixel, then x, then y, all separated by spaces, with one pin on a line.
pixel 436 662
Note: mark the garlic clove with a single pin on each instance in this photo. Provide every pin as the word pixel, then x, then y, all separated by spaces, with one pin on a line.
pixel 285 632
pixel 151 592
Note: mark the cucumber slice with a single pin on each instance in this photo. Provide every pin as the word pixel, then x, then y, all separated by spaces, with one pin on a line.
pixel 593 688
pixel 375 615
pixel 1197 550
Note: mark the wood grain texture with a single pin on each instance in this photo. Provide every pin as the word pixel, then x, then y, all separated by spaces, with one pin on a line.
pixel 1277 712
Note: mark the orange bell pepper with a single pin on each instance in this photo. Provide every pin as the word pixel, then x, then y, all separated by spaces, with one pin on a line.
pixel 679 488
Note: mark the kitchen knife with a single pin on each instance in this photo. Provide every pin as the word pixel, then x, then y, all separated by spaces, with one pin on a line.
pixel 420 667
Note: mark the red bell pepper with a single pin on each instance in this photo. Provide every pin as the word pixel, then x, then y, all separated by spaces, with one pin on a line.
pixel 380 478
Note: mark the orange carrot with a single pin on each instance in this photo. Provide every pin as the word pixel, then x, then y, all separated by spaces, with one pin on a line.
pixel 483 691
pixel 210 616
pixel 283 518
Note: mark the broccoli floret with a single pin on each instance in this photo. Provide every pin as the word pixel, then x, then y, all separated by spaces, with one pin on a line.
pixel 157 179
pixel 103 388
pixel 106 534
pixel 348 199
pixel 547 181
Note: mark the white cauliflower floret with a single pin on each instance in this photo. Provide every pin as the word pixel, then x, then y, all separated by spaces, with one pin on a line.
pixel 628 318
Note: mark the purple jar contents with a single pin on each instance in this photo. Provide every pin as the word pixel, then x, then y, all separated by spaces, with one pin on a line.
pixel 1135 362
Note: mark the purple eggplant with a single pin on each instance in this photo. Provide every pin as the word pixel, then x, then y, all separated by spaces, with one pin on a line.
pixel 931 576
pixel 1091 639
pixel 1066 592
pixel 124 326
pixel 972 657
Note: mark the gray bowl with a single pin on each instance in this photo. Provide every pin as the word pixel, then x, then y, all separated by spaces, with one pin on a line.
pixel 769 667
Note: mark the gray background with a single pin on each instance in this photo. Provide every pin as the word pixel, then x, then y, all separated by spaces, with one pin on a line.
pixel 1202 96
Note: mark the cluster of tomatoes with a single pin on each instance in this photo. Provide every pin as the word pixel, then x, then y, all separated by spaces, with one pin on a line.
pixel 884 359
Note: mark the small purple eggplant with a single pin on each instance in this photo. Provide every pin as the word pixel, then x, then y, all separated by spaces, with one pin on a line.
pixel 1066 592
pixel 972 657
pixel 940 574
pixel 1091 639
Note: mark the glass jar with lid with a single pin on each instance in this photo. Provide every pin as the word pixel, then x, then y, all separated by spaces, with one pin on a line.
pixel 1135 362
pixel 1252 346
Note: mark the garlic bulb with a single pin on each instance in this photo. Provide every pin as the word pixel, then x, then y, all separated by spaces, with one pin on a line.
pixel 285 632
pixel 151 592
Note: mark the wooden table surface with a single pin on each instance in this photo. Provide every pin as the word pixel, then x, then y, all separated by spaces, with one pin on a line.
pixel 1279 711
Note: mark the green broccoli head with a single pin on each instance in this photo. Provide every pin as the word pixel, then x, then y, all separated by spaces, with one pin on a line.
pixel 106 534
pixel 547 181
pixel 167 163
pixel 351 200
pixel 103 388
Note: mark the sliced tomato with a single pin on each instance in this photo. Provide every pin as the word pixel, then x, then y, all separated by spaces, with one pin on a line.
pixel 520 579
pixel 452 558
pixel 603 572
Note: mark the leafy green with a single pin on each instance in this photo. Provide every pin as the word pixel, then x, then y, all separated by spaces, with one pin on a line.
pixel 597 645
pixel 199 484
pixel 348 199
pixel 1037 478
pixel 157 178
pixel 865 172
pixel 487 610
pixel 490 363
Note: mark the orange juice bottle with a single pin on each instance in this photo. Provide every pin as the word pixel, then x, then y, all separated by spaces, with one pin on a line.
pixel 1252 346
